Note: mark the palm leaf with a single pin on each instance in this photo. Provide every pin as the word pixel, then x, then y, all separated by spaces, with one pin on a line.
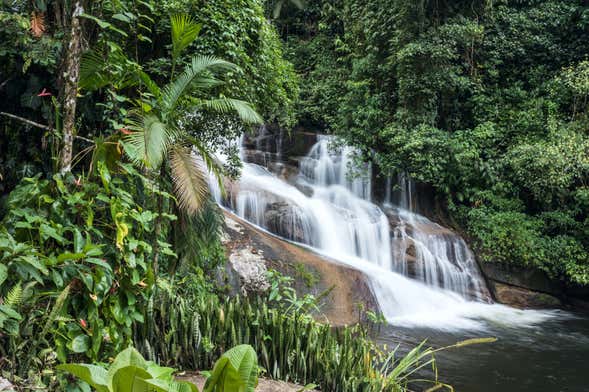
pixel 150 84
pixel 175 90
pixel 212 163
pixel 184 32
pixel 227 105
pixel 190 183
pixel 92 73
pixel 149 143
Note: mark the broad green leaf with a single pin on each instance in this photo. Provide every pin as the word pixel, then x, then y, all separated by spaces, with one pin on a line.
pixel 34 262
pixel 236 370
pixel 70 256
pixel 122 18
pixel 9 312
pixel 129 379
pixel 98 262
pixel 81 344
pixel 127 357
pixel 92 374
pixel 160 372
pixel 155 385
pixel 122 231
pixel 103 24
pixel 50 232
pixel 183 386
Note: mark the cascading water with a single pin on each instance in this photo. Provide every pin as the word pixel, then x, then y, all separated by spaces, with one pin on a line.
pixel 329 209
pixel 429 252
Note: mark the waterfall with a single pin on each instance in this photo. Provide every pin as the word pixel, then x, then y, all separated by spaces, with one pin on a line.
pixel 436 256
pixel 421 273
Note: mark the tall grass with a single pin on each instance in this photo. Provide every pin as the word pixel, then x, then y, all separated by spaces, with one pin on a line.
pixel 191 332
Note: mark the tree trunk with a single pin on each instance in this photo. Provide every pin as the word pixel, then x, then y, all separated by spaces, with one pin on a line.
pixel 71 77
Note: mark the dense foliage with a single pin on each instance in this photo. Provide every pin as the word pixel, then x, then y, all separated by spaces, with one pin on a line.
pixel 190 331
pixel 112 112
pixel 486 101
pixel 76 261
pixel 126 37
pixel 84 245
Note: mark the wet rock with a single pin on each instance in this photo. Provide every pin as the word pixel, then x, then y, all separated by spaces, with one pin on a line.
pixel 527 278
pixel 281 142
pixel 341 287
pixel 286 220
pixel 521 298
pixel 305 189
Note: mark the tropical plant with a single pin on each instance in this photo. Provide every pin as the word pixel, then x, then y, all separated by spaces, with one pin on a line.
pixel 157 130
pixel 190 331
pixel 441 95
pixel 9 317
pixel 75 267
pixel 129 372
pixel 236 370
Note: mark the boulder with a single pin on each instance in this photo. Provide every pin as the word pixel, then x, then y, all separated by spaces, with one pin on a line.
pixel 342 287
pixel 522 298
pixel 527 278
pixel 286 220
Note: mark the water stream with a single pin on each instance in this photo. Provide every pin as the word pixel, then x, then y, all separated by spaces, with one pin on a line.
pixel 421 273
pixel 424 276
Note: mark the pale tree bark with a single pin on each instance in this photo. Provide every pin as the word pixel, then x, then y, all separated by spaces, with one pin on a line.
pixel 71 76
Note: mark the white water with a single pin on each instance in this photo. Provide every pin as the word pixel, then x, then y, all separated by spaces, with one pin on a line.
pixel 338 220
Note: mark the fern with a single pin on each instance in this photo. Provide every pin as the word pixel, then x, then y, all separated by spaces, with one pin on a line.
pixel 57 307
pixel 14 297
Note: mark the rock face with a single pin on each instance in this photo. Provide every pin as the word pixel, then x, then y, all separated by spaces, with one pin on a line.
pixel 252 251
pixel 522 287
pixel 251 269
pixel 5 385
pixel 525 287
pixel 534 280
pixel 284 219
pixel 522 298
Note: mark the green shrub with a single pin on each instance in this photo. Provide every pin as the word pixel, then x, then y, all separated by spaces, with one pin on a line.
pixel 80 249
pixel 190 331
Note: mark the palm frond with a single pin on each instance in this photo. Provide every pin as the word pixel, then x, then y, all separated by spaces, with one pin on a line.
pixel 176 89
pixel 149 142
pixel 151 86
pixel 206 83
pixel 227 105
pixel 92 71
pixel 190 183
pixel 184 32
pixel 213 165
